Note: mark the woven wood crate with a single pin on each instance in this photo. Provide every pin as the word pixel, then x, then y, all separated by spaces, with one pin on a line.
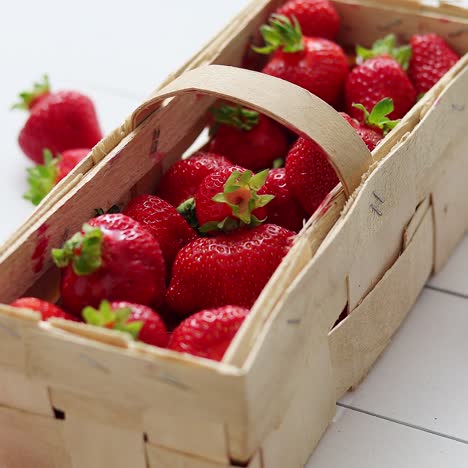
pixel 76 396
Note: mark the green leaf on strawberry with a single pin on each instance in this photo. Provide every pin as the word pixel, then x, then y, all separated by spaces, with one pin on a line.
pixel 83 251
pixel 378 116
pixel 234 116
pixel 27 98
pixel 386 46
pixel 115 319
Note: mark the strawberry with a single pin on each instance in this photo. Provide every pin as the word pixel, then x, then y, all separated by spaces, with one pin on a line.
pixel 315 64
pixel 208 333
pixel 432 57
pixel 248 139
pixel 58 120
pixel 283 210
pixel 140 321
pixel 309 175
pixel 43 177
pixel 229 199
pixel 46 309
pixel 376 123
pixel 318 18
pixel 227 269
pixel 163 221
pixel 380 75
pixel 183 178
pixel 113 257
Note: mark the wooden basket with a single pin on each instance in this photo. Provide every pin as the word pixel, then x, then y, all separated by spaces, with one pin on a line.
pixel 77 396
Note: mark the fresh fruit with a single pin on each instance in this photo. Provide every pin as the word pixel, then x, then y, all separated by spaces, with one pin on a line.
pixel 163 221
pixel 59 121
pixel 318 18
pixel 229 199
pixel 309 175
pixel 46 309
pixel 315 64
pixel 227 269
pixel 113 257
pixel 248 139
pixel 380 75
pixel 208 333
pixel 283 210
pixel 140 321
pixel 43 177
pixel 432 58
pixel 376 124
pixel 183 178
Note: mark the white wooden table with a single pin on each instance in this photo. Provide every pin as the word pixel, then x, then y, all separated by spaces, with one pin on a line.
pixel 411 411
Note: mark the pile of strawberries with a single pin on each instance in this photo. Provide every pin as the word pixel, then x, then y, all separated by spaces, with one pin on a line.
pixel 182 268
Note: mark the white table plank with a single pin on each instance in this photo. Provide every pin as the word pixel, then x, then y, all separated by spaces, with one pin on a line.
pixel 356 440
pixel 421 379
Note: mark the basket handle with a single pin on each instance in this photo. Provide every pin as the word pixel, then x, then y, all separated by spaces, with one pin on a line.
pixel 290 105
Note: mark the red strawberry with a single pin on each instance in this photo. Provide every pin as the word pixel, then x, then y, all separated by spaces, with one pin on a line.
pixel 315 64
pixel 208 333
pixel 43 177
pixel 318 18
pixel 183 178
pixel 163 221
pixel 46 309
pixel 309 175
pixel 113 257
pixel 432 58
pixel 58 120
pixel 226 269
pixel 283 210
pixel 380 76
pixel 229 199
pixel 376 123
pixel 140 321
pixel 248 139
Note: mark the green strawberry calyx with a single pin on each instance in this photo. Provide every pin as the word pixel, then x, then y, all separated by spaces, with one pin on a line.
pixel 83 251
pixel 386 46
pixel 235 116
pixel 27 98
pixel 187 210
pixel 281 32
pixel 240 193
pixel 115 319
pixel 377 118
pixel 42 178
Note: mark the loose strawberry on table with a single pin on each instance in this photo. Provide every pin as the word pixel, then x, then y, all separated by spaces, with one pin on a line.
pixel 227 269
pixel 140 321
pixel 208 333
pixel 59 121
pixel 247 138
pixel 46 309
pixel 113 257
pixel 43 177
pixel 316 64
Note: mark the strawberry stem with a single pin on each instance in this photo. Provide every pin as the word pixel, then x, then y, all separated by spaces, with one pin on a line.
pixel 377 118
pixel 235 116
pixel 386 46
pixel 27 98
pixel 281 32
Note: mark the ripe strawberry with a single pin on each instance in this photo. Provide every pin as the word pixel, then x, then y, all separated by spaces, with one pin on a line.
pixel 227 269
pixel 163 221
pixel 229 199
pixel 248 139
pixel 113 257
pixel 283 210
pixel 140 321
pixel 43 177
pixel 318 18
pixel 208 333
pixel 432 58
pixel 376 123
pixel 183 178
pixel 46 309
pixel 315 64
pixel 380 75
pixel 309 175
pixel 58 120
